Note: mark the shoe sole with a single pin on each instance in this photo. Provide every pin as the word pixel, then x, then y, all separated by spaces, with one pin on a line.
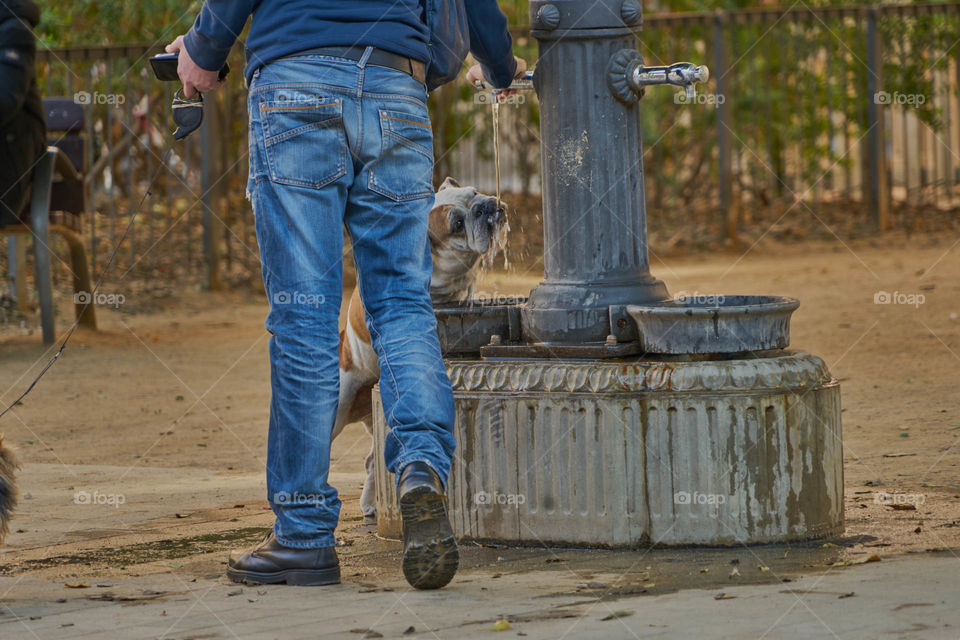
pixel 430 554
pixel 294 577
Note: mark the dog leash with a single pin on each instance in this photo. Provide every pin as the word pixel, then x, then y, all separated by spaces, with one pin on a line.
pixel 93 294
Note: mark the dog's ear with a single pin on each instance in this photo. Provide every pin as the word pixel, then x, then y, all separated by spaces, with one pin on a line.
pixel 449 182
pixel 438 227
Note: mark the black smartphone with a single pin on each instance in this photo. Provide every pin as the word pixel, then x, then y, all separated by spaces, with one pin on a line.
pixel 165 67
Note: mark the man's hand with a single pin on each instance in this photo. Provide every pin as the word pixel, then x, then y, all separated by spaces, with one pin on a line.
pixel 193 77
pixel 476 73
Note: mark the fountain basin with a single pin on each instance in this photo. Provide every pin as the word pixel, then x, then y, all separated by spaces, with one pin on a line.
pixel 714 324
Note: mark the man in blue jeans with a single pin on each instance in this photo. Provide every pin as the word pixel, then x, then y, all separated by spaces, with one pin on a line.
pixel 340 135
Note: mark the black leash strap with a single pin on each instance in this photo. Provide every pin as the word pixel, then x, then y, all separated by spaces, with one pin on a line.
pixel 93 294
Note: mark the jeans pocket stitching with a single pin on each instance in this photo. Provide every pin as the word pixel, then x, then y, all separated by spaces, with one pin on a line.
pixel 397 197
pixel 271 142
pixel 407 142
pixel 387 133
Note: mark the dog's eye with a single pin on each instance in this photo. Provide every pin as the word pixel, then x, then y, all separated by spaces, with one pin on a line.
pixel 458 225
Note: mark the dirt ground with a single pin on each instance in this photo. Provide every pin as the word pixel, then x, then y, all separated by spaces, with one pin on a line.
pixel 167 411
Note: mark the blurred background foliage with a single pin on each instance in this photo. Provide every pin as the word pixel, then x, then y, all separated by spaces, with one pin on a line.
pixel 795 93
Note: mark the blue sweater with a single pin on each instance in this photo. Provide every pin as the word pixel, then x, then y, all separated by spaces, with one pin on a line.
pixel 282 27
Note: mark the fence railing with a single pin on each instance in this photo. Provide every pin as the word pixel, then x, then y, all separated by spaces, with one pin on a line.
pixel 854 107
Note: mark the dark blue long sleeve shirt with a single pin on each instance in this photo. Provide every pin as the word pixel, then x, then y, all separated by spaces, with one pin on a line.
pixel 283 27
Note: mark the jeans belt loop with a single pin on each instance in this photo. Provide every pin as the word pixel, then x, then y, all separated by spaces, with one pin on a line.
pixel 366 56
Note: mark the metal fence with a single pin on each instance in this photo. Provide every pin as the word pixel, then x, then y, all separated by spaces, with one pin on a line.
pixel 852 107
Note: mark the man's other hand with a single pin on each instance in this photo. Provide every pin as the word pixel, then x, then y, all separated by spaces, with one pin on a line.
pixel 193 77
pixel 476 73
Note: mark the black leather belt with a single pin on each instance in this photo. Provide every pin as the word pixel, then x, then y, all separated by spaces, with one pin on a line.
pixel 378 57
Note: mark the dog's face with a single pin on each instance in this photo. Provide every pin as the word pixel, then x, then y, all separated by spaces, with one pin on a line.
pixel 467 221
pixel 467 229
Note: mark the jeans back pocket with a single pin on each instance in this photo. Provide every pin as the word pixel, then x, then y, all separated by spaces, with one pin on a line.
pixel 404 169
pixel 303 137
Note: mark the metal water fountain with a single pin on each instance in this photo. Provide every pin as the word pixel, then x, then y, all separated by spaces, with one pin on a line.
pixel 599 411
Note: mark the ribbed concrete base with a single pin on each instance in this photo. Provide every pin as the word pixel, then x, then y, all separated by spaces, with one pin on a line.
pixel 625 453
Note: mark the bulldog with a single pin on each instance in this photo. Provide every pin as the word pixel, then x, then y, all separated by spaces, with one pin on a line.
pixel 466 231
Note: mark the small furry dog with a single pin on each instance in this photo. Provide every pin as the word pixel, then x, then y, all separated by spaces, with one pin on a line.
pixel 8 487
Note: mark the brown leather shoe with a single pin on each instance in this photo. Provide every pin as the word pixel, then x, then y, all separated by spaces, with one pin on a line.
pixel 430 554
pixel 271 563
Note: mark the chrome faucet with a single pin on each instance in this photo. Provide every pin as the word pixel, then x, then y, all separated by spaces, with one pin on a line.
pixel 628 77
pixel 680 74
pixel 521 83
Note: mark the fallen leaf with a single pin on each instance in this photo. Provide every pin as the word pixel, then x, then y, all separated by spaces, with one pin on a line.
pixel 500 625
pixel 846 595
pixel 723 596
pixel 903 507
pixel 76 585
pixel 735 573
pixel 762 569
pixel 865 560
pixel 617 614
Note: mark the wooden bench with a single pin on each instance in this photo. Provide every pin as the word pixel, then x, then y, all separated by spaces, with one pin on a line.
pixel 56 206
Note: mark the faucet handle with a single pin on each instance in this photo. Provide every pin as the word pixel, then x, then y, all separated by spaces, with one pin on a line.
pixel 689 75
pixel 521 83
